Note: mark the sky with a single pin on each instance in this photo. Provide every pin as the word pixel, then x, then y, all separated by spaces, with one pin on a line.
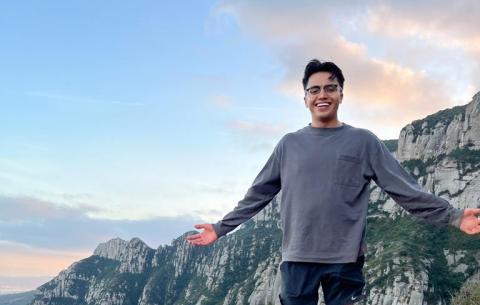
pixel 142 118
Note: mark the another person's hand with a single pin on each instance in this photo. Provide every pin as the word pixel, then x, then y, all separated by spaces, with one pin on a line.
pixel 470 223
pixel 205 238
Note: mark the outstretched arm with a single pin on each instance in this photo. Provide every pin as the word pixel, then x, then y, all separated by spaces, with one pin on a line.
pixel 266 185
pixel 405 190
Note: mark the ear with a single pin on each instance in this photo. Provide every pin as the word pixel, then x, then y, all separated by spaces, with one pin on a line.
pixel 341 97
pixel 305 101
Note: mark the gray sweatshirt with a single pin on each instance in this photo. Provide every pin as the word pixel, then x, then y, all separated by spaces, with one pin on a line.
pixel 324 175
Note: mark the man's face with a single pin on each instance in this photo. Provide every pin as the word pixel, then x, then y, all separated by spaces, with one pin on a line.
pixel 323 104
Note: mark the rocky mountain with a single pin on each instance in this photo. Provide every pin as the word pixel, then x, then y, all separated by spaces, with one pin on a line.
pixel 121 272
pixel 442 132
pixel 409 262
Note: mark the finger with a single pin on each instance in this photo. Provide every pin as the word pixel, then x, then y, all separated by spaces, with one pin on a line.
pixel 200 226
pixel 194 236
pixel 197 243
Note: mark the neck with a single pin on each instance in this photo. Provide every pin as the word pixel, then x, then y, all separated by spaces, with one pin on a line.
pixel 329 124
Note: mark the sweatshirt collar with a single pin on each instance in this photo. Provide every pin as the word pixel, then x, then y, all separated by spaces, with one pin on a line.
pixel 324 130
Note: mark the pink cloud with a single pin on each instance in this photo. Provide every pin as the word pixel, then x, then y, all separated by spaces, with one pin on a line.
pixel 19 260
pixel 389 91
pixel 446 23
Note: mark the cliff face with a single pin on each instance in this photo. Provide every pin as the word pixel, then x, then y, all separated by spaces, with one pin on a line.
pixel 408 263
pixel 442 132
pixel 238 269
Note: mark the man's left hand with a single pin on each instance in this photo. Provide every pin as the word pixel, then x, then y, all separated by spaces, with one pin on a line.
pixel 470 223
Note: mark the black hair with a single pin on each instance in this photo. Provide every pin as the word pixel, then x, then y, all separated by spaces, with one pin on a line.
pixel 315 66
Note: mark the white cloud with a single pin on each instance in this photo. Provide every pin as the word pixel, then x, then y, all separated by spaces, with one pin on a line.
pixel 381 90
pixel 48 225
pixel 431 30
pixel 446 23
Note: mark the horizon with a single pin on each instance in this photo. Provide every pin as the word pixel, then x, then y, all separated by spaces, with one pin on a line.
pixel 143 119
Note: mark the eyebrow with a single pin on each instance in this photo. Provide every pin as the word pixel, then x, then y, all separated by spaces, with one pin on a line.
pixel 318 86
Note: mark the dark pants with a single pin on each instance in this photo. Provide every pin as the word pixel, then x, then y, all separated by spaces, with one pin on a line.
pixel 342 284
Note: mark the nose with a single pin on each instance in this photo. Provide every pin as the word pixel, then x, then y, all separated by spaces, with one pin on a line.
pixel 322 94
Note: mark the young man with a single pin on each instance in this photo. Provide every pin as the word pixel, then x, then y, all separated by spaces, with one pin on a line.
pixel 324 171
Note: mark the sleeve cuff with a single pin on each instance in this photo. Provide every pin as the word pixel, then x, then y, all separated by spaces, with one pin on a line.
pixel 221 229
pixel 456 218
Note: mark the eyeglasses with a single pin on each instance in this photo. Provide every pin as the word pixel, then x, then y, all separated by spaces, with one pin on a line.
pixel 328 89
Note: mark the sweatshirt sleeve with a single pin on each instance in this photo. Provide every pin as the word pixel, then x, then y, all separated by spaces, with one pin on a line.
pixel 404 189
pixel 265 186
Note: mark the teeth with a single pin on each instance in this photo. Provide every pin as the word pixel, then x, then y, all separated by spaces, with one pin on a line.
pixel 322 104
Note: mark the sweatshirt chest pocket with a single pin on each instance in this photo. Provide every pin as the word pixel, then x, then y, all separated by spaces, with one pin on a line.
pixel 348 171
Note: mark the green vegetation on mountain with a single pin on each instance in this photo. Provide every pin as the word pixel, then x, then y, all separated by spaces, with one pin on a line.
pixel 445 117
pixel 468 295
pixel 421 165
pixel 392 145
pixel 468 160
pixel 413 245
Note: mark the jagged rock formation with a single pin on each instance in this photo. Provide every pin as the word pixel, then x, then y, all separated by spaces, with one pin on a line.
pixel 408 263
pixel 239 269
pixel 134 256
pixel 442 132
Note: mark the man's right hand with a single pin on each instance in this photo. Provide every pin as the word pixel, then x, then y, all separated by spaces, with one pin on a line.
pixel 205 238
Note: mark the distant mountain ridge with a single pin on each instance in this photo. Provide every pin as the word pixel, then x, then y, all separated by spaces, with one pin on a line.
pixel 22 298
pixel 408 262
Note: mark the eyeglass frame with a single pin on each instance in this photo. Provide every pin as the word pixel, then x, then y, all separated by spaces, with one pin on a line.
pixel 307 91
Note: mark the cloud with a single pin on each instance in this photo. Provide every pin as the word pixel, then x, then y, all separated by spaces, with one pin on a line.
pixel 436 28
pixel 211 215
pixel 47 225
pixel 26 209
pixel 378 87
pixel 41 238
pixel 449 24
pixel 380 90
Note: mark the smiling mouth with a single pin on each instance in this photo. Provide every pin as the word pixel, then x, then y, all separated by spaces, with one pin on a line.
pixel 322 105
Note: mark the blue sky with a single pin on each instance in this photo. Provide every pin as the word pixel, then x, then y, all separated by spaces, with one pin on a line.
pixel 96 92
pixel 124 118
